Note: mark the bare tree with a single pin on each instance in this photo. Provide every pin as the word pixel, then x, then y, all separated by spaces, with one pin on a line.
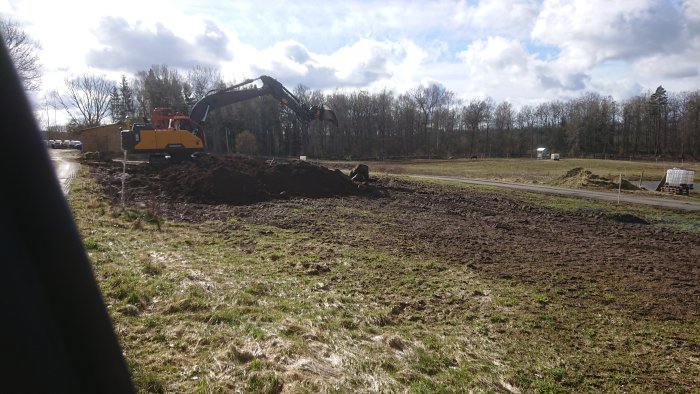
pixel 408 124
pixel 23 51
pixel 441 118
pixel 160 86
pixel 86 99
pixel 383 103
pixel 428 99
pixel 203 79
pixel 477 115
pixel 503 119
pixel 690 124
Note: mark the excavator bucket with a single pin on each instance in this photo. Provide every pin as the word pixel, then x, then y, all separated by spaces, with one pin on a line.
pixel 324 113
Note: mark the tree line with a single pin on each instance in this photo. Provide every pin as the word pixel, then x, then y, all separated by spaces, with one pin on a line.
pixel 424 122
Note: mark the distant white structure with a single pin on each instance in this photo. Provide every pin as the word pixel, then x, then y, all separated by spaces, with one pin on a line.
pixel 678 177
pixel 541 153
pixel 555 156
pixel 677 181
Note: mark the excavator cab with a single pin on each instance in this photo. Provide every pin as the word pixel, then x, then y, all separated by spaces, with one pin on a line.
pixel 161 117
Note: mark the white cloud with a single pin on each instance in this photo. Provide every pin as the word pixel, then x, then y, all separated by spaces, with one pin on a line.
pixel 500 68
pixel 366 61
pixel 289 58
pixel 362 64
pixel 131 48
pixel 499 54
pixel 622 47
pixel 503 69
pixel 614 78
pixel 691 10
pixel 677 72
pixel 512 18
pixel 589 32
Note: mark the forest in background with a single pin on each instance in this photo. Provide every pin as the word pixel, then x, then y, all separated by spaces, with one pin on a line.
pixel 424 122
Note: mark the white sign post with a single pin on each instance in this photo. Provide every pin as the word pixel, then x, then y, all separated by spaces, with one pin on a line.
pixel 619 190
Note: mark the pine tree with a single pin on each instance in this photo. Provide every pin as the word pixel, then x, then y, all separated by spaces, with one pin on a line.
pixel 127 99
pixel 657 112
pixel 116 107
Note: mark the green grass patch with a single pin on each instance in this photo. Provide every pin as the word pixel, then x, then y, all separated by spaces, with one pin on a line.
pixel 228 305
pixel 527 170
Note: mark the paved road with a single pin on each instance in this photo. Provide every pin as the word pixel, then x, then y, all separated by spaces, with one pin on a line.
pixel 606 196
pixel 65 166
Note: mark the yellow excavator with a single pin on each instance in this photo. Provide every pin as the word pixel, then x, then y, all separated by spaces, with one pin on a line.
pixel 178 136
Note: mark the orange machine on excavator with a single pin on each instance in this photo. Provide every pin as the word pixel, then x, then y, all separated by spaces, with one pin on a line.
pixel 178 136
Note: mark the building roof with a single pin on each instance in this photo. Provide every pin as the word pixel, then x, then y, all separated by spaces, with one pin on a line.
pixel 101 127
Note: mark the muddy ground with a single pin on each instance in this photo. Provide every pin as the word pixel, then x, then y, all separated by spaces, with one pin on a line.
pixel 586 255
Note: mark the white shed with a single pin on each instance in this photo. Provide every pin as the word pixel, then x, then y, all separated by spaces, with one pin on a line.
pixel 541 153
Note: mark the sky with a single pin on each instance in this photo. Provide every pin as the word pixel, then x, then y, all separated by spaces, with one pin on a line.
pixel 521 51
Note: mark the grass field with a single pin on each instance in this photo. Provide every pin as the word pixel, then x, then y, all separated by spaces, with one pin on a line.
pixel 526 170
pixel 232 306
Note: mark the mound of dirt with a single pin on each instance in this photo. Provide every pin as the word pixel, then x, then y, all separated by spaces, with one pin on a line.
pixel 627 218
pixel 579 177
pixel 234 180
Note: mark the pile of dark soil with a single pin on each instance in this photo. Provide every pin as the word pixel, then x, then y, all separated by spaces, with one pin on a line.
pixel 234 180
pixel 627 218
pixel 578 177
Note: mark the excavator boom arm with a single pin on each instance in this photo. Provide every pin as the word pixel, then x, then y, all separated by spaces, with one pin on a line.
pixel 271 86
